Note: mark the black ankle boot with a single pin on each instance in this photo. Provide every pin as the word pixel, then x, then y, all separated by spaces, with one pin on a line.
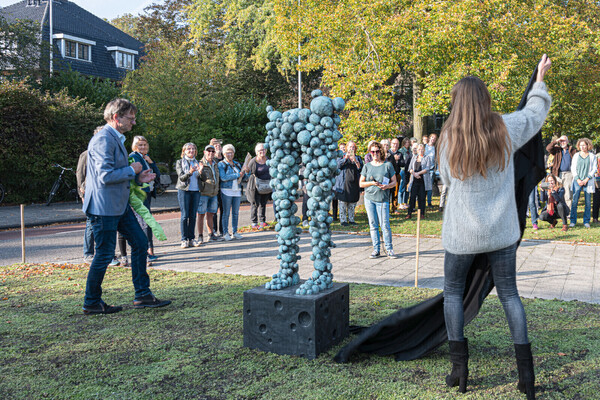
pixel 459 355
pixel 525 366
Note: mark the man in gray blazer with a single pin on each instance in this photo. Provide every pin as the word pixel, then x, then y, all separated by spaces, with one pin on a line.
pixel 106 206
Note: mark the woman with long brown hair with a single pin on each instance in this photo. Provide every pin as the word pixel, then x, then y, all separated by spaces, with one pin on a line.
pixel 475 158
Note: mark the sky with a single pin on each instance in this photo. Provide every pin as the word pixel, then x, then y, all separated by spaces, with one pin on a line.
pixel 108 9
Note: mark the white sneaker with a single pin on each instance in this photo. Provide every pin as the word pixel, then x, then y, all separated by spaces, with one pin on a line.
pixel 185 244
pixel 227 237
pixel 305 224
pixel 196 243
pixel 237 236
pixel 88 259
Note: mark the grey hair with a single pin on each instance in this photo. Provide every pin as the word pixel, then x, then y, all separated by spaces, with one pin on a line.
pixel 385 141
pixel 118 107
pixel 257 146
pixel 98 129
pixel 136 140
pixel 228 147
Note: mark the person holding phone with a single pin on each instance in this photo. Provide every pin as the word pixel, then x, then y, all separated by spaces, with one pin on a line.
pixel 554 195
pixel 378 178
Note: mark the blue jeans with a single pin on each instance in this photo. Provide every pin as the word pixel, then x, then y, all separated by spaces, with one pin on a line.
pixel 88 239
pixel 231 205
pixel 188 204
pixel 587 211
pixel 533 206
pixel 503 266
pixel 105 234
pixel 379 215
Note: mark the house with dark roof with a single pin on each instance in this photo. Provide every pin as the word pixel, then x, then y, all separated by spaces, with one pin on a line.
pixel 87 43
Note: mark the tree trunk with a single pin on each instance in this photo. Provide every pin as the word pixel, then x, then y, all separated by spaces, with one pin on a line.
pixel 419 121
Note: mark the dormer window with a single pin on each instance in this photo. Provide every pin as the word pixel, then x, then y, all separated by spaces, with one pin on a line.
pixel 124 58
pixel 74 47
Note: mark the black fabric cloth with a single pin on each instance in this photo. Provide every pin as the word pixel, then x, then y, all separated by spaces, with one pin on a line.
pixel 416 331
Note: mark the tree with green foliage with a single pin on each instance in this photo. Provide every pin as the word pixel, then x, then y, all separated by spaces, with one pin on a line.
pixel 183 99
pixel 362 47
pixel 22 52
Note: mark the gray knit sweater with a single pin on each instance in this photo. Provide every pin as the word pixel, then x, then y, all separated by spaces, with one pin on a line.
pixel 481 213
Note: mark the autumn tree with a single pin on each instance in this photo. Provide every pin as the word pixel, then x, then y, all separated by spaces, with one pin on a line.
pixel 363 47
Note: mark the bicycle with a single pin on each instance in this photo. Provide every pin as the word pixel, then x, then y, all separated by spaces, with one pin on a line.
pixel 59 182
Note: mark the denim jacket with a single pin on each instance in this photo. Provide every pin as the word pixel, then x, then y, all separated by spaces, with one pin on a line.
pixel 227 174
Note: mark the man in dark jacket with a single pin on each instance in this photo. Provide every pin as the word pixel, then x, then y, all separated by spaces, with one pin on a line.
pixel 561 167
pixel 397 160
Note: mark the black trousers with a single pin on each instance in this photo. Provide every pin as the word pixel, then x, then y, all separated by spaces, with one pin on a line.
pixel 560 212
pixel 595 204
pixel 417 192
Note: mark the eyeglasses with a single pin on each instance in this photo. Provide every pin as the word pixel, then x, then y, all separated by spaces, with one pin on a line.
pixel 131 119
pixel 375 151
pixel 211 150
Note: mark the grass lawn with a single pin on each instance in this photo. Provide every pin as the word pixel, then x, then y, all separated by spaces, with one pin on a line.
pixel 192 349
pixel 432 225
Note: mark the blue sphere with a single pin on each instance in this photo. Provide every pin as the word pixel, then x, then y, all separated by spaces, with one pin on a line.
pixel 322 106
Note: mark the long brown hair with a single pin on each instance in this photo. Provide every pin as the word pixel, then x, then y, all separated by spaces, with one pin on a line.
pixel 473 137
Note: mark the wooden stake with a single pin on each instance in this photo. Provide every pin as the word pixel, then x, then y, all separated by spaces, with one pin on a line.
pixel 417 250
pixel 23 233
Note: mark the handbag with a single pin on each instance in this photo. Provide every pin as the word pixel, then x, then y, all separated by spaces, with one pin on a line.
pixel 263 186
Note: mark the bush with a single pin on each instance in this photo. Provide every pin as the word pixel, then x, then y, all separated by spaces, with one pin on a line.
pixel 36 131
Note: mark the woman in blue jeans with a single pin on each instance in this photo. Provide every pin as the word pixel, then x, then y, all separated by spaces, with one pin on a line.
pixel 231 191
pixel 188 193
pixel 378 178
pixel 583 168
pixel 476 164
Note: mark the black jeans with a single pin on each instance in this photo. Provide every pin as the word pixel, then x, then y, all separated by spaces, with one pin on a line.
pixel 417 191
pixel 258 209
pixel 560 212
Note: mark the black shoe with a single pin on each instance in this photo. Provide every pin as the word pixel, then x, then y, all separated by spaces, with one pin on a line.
pixel 525 366
pixel 216 238
pixel 459 355
pixel 344 224
pixel 352 223
pixel 101 308
pixel 150 301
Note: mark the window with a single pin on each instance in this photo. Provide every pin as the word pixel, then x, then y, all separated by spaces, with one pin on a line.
pixel 124 58
pixel 74 47
pixel 83 51
pixel 70 49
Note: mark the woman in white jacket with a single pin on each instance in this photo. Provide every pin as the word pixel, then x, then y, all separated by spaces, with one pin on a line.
pixel 583 168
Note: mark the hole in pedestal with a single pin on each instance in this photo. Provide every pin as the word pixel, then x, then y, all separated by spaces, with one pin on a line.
pixel 248 312
pixel 293 326
pixel 304 319
pixel 309 340
pixel 334 334
pixel 278 305
pixel 342 297
pixel 270 341
pixel 321 305
pixel 326 312
pixel 262 328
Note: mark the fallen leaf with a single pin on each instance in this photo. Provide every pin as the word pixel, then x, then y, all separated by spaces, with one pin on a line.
pixel 562 354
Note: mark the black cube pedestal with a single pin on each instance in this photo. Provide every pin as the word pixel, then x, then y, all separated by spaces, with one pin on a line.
pixel 282 322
